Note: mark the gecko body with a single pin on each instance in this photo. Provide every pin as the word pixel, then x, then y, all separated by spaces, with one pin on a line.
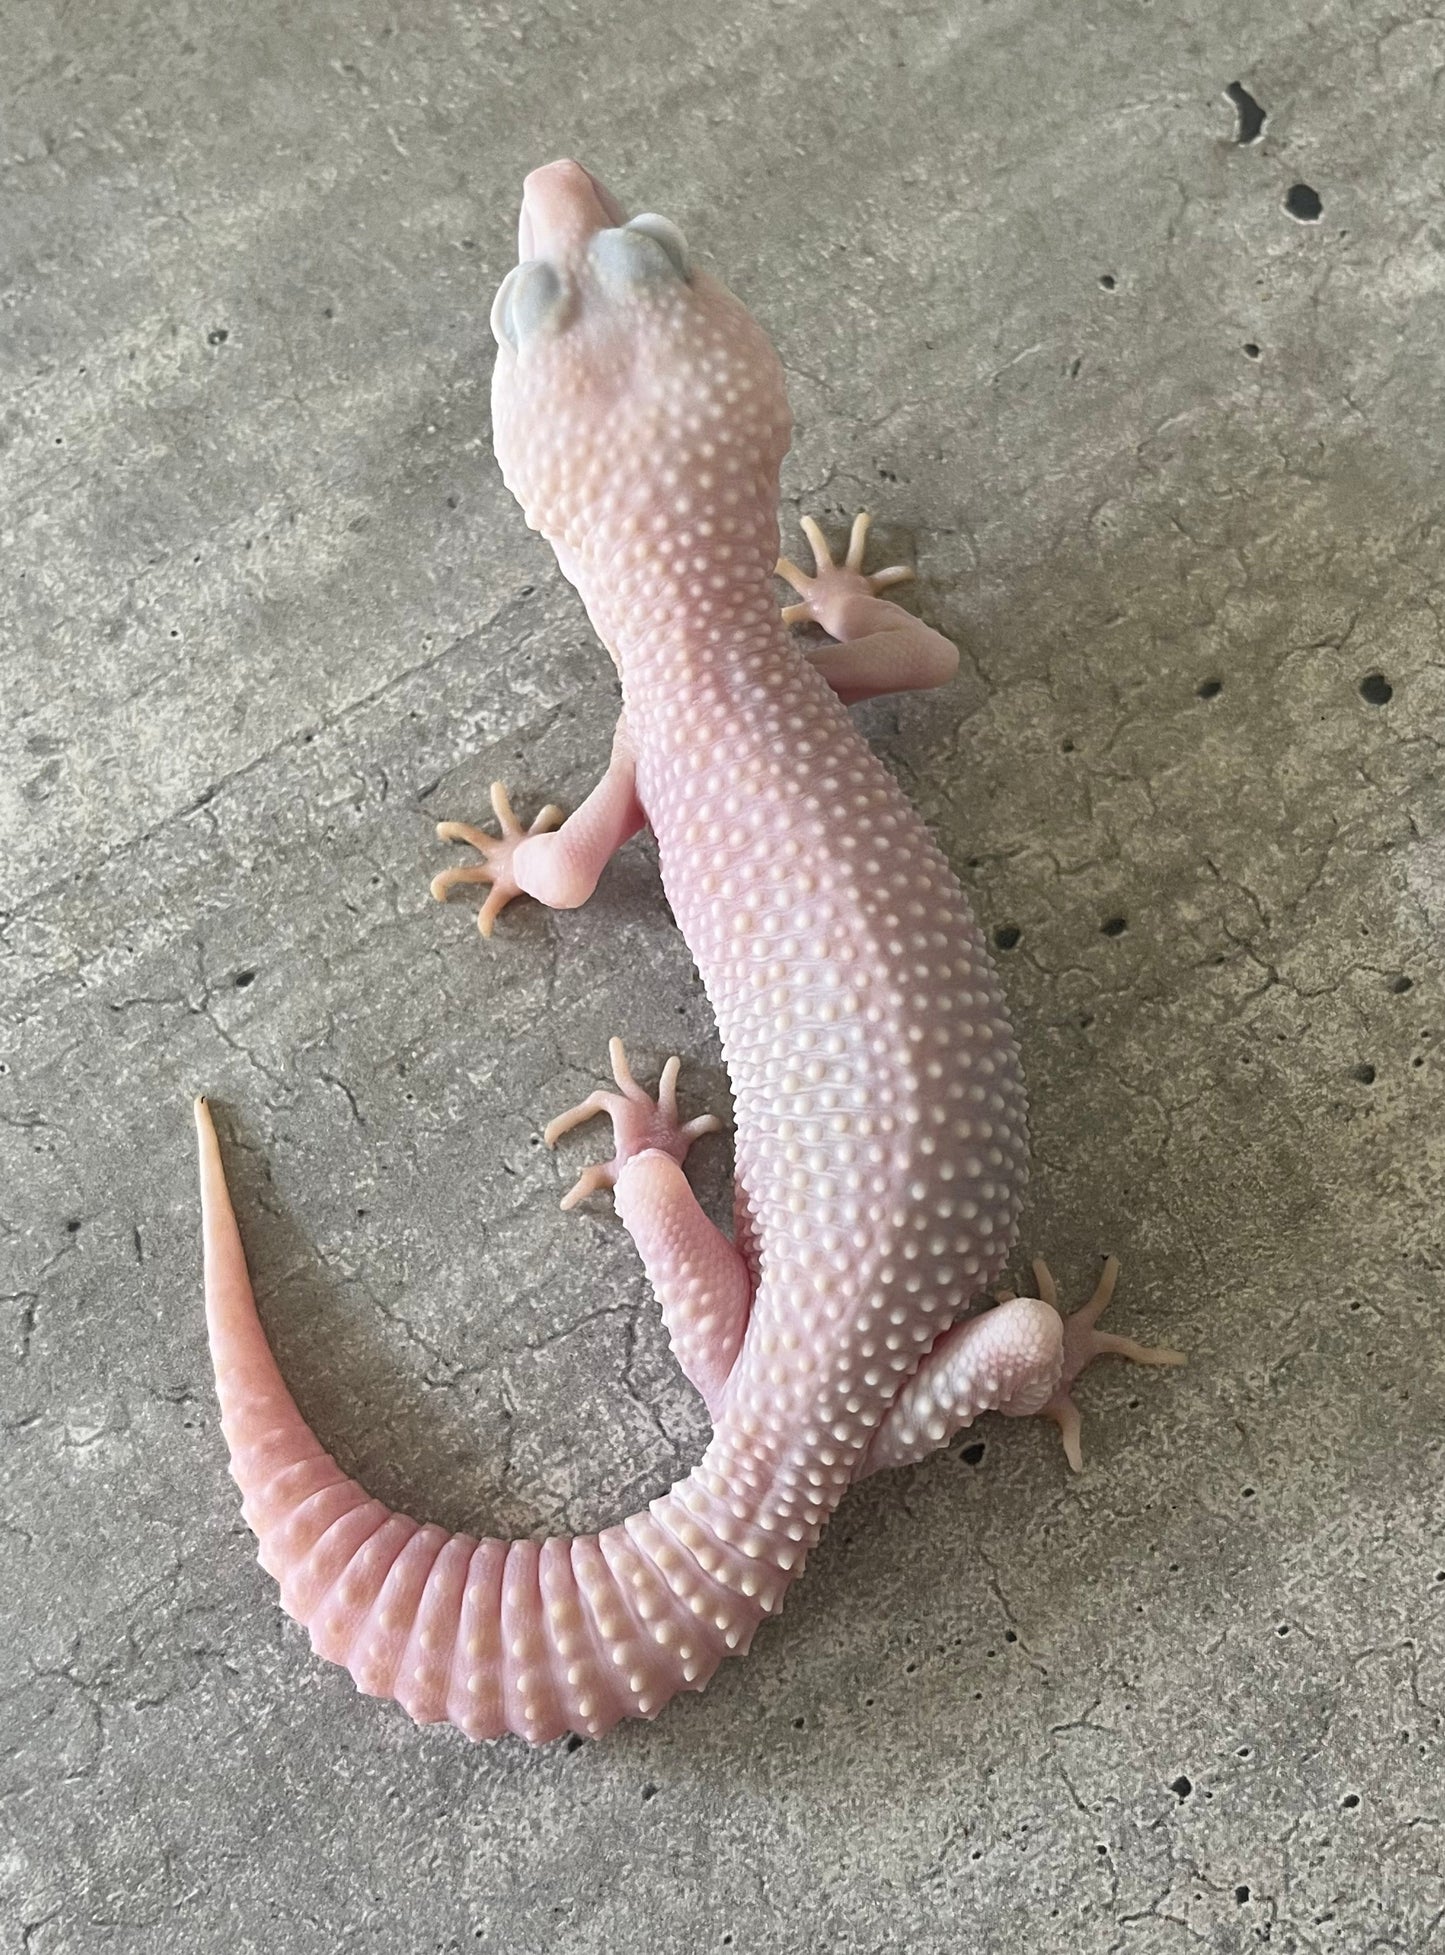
pixel 640 417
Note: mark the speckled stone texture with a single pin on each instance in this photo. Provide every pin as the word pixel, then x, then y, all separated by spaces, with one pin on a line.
pixel 1169 461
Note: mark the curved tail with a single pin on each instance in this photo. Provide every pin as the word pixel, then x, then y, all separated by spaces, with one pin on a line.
pixel 491 1636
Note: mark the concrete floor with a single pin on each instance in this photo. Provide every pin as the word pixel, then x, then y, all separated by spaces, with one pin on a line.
pixel 1169 460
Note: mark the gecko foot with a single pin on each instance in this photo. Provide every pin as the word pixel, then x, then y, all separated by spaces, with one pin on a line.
pixel 640 1124
pixel 831 584
pixel 1082 1344
pixel 496 852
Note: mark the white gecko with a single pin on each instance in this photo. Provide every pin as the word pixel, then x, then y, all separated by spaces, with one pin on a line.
pixel 881 1149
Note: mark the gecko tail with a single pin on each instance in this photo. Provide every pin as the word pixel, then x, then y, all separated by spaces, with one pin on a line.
pixel 535 1638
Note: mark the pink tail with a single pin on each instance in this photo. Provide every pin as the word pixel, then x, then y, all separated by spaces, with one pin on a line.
pixel 490 1636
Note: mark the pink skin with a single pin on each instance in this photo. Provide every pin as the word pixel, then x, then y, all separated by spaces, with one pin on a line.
pixel 881 1148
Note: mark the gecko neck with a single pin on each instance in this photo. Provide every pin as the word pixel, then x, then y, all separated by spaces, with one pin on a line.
pixel 686 629
pixel 668 662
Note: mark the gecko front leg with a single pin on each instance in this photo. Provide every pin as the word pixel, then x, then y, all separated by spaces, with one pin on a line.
pixel 558 866
pixel 881 647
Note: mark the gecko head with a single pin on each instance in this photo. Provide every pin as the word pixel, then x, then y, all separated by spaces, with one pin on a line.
pixel 633 396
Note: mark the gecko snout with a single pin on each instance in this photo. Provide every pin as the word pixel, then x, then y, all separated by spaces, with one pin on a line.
pixel 574 239
pixel 562 204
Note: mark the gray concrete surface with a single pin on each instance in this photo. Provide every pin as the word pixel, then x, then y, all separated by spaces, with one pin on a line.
pixel 268 614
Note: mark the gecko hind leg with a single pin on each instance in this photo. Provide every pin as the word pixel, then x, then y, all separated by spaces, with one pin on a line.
pixel 640 1124
pixel 1082 1344
pixel 1021 1358
pixel 702 1283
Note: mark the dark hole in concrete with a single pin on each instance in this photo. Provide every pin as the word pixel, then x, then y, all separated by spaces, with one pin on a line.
pixel 797 1724
pixel 1251 348
pixel 1402 984
pixel 1303 204
pixel 1251 115
pixel 1066 746
pixel 1282 1629
pixel 1108 281
pixel 217 336
pixel 1006 936
pixel 72 1227
pixel 1182 1786
pixel 243 978
pixel 1365 1074
pixel 1350 1800
pixel 973 1452
pixel 1009 1636
pixel 1210 689
pixel 1245 1751
pixel 1246 1493
pixel 1241 1894
pixel 1376 690
pixel 574 1743
pixel 649 1791
pixel 1114 926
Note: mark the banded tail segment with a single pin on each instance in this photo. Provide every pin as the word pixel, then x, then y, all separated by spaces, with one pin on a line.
pixel 491 1636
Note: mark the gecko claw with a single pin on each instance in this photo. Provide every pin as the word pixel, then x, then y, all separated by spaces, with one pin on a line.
pixel 640 1124
pixel 496 851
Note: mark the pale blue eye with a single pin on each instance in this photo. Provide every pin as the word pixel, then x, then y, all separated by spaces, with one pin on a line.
pixel 648 251
pixel 664 232
pixel 528 299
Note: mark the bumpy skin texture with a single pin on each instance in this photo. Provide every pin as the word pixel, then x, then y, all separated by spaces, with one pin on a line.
pixel 640 419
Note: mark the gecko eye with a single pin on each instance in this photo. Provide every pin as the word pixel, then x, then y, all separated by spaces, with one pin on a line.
pixel 664 232
pixel 648 251
pixel 528 298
